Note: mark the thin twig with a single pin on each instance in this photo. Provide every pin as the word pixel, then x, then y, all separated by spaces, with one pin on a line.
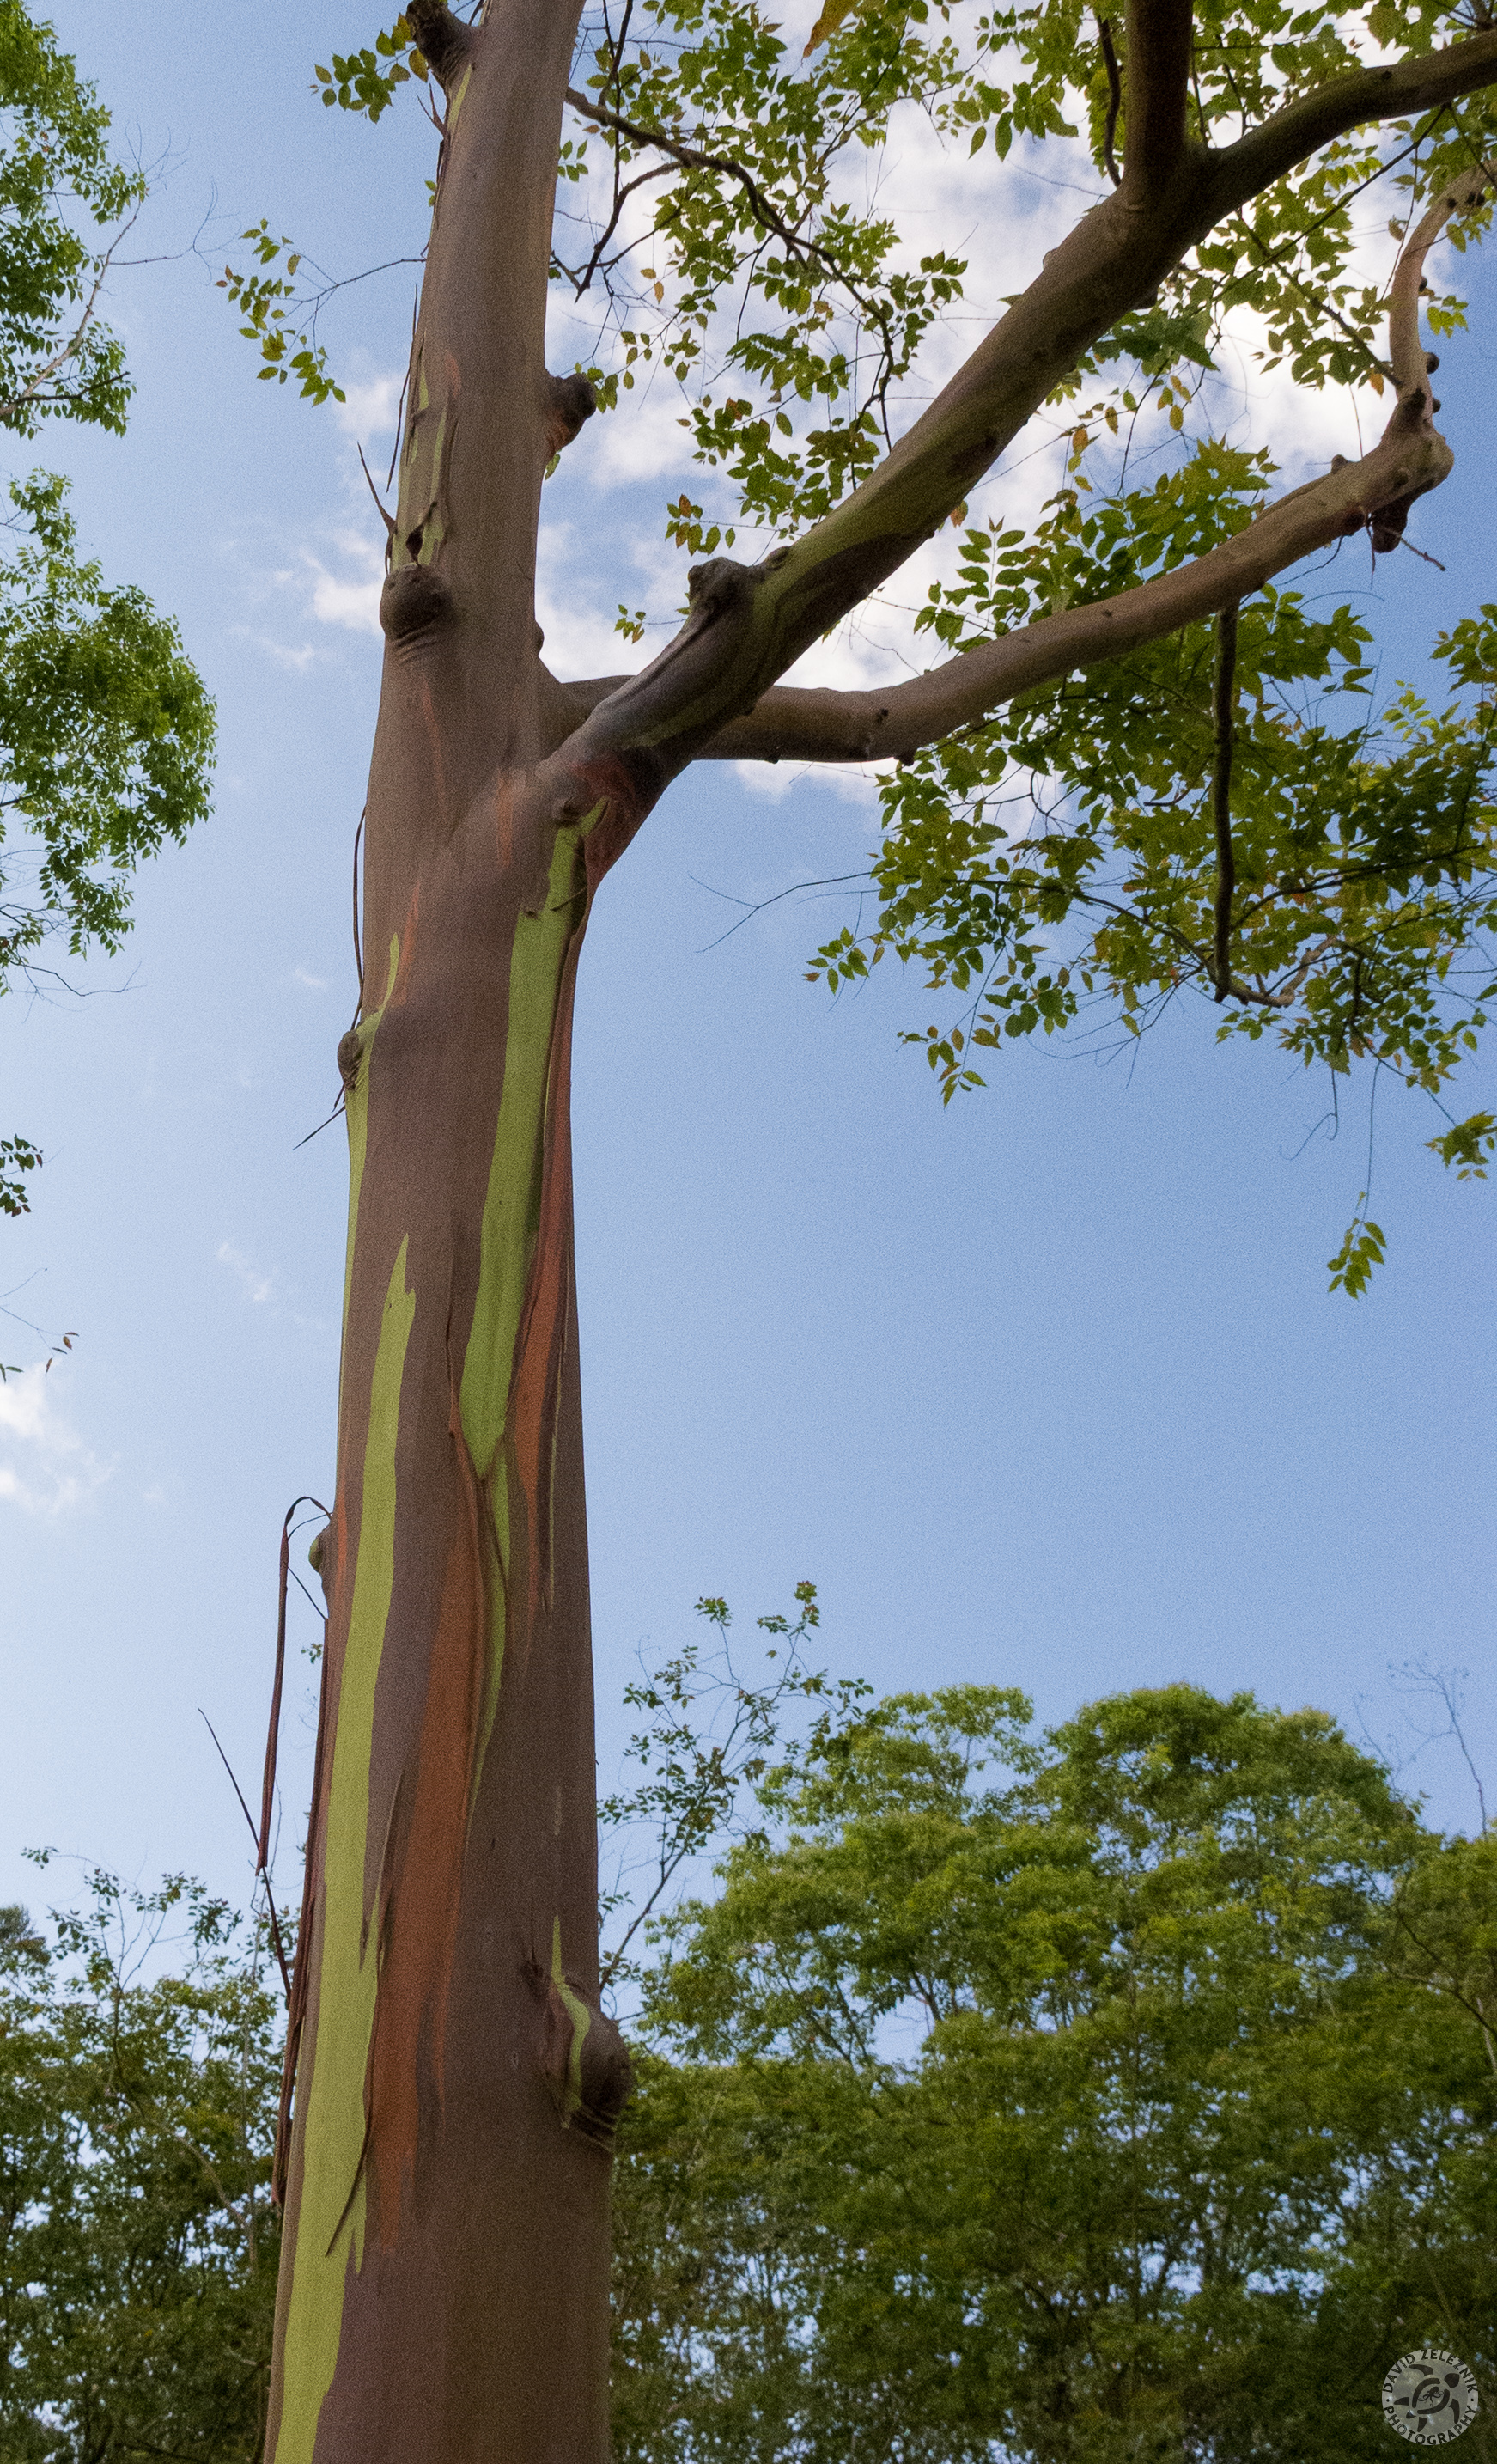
pixel 277 1945
pixel 692 159
pixel 386 517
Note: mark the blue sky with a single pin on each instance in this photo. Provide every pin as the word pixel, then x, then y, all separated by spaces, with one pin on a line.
pixel 1044 1389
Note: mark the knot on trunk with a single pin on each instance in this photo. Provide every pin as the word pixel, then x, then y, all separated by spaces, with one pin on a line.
pixel 320 1559
pixel 720 588
pixel 413 606
pixel 569 402
pixel 350 1053
pixel 1388 521
pixel 446 42
pixel 583 2060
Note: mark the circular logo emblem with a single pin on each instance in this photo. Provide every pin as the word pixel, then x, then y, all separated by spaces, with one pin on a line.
pixel 1429 2396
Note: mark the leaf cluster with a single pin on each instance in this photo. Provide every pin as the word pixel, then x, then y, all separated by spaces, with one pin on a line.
pixel 106 736
pixel 55 169
pixel 1059 865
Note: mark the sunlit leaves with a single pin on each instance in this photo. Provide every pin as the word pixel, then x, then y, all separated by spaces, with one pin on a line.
pixel 278 317
pixel 1070 2100
pixel 367 82
pixel 1363 1248
pixel 1468 1146
pixel 1057 866
pixel 106 737
pixel 137 2112
pixel 17 1157
pixel 57 359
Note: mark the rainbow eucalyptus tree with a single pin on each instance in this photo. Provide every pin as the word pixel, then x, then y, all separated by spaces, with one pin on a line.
pixel 444 2283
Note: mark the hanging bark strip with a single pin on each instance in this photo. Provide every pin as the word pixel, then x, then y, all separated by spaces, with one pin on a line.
pixel 1222 798
pixel 451 2086
pixel 272 1736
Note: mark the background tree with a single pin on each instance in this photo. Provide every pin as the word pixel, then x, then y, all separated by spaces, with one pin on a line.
pixel 106 734
pixel 138 2240
pixel 1071 2099
pixel 457 2082
pixel 1125 2092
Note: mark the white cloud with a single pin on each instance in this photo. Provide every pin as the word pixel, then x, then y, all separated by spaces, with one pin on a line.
pixel 45 1468
pixel 257 1287
pixel 297 658
pixel 372 408
pixel 313 984
pixel 351 597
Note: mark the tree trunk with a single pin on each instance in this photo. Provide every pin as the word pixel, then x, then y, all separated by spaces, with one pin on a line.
pixel 444 2285
pixel 443 2276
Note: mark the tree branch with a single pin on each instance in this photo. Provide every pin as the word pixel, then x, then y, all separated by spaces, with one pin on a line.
pixel 819 724
pixel 1114 99
pixel 32 390
pixel 1117 255
pixel 1401 90
pixel 792 723
pixel 1158 85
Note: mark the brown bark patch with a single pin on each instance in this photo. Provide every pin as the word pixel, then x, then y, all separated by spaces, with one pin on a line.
pixel 419 1930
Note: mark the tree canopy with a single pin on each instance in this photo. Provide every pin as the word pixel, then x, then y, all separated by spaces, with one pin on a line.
pixel 1259 821
pixel 106 734
pixel 1127 2093
pixel 139 2072
pixel 1129 2090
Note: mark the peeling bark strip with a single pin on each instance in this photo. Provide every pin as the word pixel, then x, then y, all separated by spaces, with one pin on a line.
pixel 443 2282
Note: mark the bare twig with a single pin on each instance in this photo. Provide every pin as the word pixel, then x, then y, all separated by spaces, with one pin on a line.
pixel 692 159
pixel 278 1943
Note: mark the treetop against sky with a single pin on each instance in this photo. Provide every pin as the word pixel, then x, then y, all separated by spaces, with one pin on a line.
pixel 1061 847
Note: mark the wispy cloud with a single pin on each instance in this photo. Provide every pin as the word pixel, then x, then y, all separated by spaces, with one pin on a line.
pixel 257 1287
pixel 371 409
pixel 45 1468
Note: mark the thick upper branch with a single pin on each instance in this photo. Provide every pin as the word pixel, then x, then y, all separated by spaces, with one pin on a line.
pixel 1159 83
pixel 749 627
pixel 822 725
pixel 1401 90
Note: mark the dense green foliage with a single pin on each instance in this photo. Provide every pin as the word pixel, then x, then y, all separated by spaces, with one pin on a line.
pixel 1082 2101
pixel 106 734
pixel 138 2245
pixel 57 358
pixel 1127 2094
pixel 1054 867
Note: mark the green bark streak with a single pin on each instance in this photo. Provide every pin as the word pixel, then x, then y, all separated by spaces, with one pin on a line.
pixel 512 1204
pixel 356 1106
pixel 580 2016
pixel 348 1971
